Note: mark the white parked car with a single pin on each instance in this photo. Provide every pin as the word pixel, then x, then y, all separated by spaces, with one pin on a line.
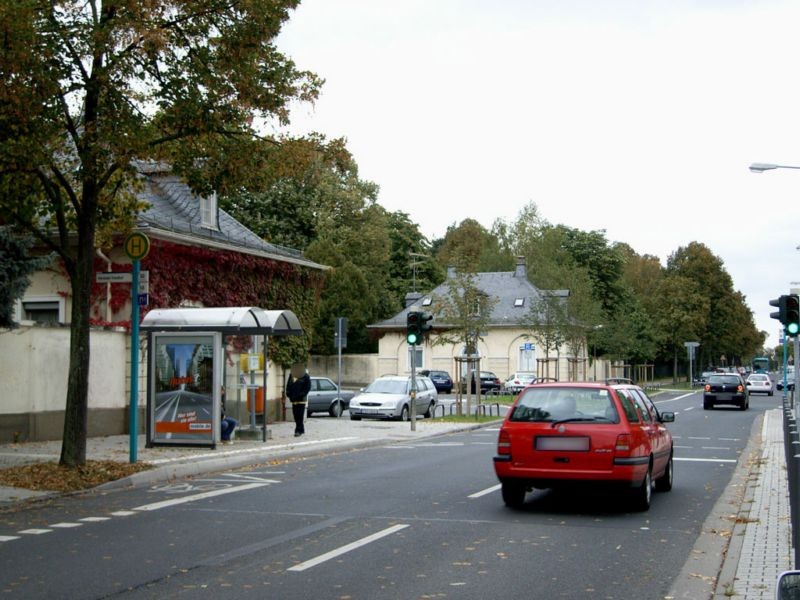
pixel 389 397
pixel 759 383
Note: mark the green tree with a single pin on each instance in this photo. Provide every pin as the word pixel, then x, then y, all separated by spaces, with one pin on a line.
pixel 730 329
pixel 16 266
pixel 682 311
pixel 470 247
pixel 464 312
pixel 89 85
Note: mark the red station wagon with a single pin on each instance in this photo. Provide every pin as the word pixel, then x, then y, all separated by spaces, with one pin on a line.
pixel 560 434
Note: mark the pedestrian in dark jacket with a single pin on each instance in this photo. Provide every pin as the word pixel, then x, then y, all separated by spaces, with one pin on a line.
pixel 297 387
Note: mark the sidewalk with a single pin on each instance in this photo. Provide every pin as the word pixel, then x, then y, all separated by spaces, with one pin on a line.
pixel 760 547
pixel 745 543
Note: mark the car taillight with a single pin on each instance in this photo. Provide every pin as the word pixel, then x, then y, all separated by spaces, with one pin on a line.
pixel 504 443
pixel 708 388
pixel 623 443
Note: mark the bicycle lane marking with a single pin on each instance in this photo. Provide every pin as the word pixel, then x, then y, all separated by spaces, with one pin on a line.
pixel 195 497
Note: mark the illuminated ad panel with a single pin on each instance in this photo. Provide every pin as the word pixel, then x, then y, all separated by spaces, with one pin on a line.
pixel 185 389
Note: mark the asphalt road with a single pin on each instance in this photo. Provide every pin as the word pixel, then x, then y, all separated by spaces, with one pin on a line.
pixel 422 520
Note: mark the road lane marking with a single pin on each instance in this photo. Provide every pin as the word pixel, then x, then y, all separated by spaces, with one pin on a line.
pixel 35 531
pixel 8 538
pixel 95 519
pixel 716 460
pixel 65 525
pixel 123 513
pixel 688 409
pixel 347 548
pixel 713 448
pixel 489 490
pixel 676 398
pixel 699 438
pixel 195 497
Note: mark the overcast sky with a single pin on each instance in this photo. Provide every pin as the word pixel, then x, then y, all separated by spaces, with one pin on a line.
pixel 636 117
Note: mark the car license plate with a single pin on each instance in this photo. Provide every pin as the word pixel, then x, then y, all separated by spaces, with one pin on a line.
pixel 563 444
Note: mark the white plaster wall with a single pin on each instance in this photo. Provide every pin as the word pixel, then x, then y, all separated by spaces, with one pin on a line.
pixel 34 369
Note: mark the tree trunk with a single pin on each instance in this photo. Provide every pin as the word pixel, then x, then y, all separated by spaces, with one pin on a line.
pixel 73 444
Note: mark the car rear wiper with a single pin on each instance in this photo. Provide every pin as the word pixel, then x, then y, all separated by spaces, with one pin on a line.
pixel 579 419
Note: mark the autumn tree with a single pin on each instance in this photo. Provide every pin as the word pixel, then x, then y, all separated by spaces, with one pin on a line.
pixel 91 85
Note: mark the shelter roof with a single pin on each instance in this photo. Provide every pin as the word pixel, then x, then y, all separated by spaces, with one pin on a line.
pixel 238 320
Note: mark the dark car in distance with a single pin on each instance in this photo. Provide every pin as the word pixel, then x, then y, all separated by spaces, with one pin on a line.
pixel 490 382
pixel 441 380
pixel 726 388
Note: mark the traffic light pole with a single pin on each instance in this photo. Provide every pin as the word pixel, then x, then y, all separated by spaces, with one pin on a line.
pixel 412 354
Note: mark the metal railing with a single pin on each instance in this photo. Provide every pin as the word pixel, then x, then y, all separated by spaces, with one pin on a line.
pixel 480 410
pixel 791 444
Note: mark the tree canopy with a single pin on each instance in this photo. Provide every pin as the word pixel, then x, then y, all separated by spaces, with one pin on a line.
pixel 89 86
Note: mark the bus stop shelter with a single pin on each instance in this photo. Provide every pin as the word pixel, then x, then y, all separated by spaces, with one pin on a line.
pixel 186 363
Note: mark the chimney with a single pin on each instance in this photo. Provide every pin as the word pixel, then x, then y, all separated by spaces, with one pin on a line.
pixel 521 271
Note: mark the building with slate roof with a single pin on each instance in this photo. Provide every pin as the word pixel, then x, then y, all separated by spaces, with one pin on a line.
pixel 173 214
pixel 176 214
pixel 190 237
pixel 507 346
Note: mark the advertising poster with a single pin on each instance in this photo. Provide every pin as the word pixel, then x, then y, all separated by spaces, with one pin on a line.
pixel 184 407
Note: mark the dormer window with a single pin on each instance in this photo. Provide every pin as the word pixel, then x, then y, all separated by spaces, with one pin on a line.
pixel 519 302
pixel 208 211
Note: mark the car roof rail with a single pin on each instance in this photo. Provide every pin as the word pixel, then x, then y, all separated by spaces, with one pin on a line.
pixel 613 380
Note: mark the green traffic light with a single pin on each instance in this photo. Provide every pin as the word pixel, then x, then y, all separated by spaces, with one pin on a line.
pixel 412 339
pixel 792 328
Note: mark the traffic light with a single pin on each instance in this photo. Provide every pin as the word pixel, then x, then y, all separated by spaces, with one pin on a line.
pixel 780 304
pixel 424 326
pixel 414 328
pixel 791 311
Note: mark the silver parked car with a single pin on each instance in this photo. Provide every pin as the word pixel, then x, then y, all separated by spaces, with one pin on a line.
pixel 326 397
pixel 517 382
pixel 388 397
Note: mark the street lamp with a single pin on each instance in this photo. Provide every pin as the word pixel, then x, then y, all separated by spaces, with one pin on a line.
pixel 761 167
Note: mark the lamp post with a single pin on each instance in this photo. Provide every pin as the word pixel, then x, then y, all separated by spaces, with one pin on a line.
pixel 760 168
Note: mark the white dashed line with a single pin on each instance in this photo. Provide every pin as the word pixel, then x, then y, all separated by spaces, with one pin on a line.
pixel 8 538
pixel 65 525
pixel 123 513
pixel 489 490
pixel 347 548
pixel 34 531
pixel 94 519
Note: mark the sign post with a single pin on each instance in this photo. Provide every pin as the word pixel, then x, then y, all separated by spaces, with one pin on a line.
pixel 137 245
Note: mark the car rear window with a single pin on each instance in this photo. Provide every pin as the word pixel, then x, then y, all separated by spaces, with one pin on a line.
pixel 388 386
pixel 557 404
pixel 628 402
pixel 725 379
